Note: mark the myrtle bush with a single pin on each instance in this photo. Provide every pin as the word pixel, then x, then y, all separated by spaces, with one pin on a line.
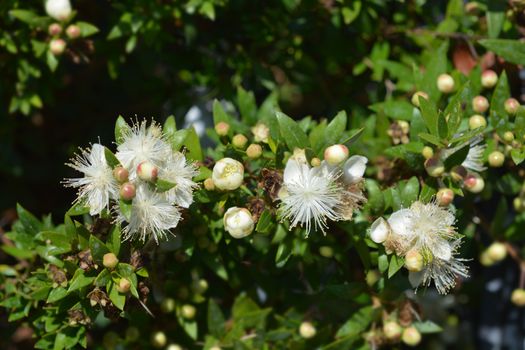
pixel 378 219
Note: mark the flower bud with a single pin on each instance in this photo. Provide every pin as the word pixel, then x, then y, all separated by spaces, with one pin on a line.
pixel 485 259
pixel 239 141
pixel 73 31
pixel 222 128
pixel 307 330
pixel 414 261
pixel 326 251
pixel 518 297
pixel 109 260
pixel 58 9
pixel 496 159
pixel 158 339
pixel 416 96
pixel 315 161
pixel 167 305
pixel 200 286
pixel 458 173
pixel 480 104
pixel 508 136
pixel 379 230
pixel 434 167
pixel 497 251
pixel 254 151
pixel 238 222
pixel 411 336
pixel 392 330
pixel 54 29
pixel 427 152
pixel 188 311
pixel 518 204
pixel 209 185
pixel 445 196
pixel 127 191
pixel 511 106
pixel 147 171
pixel 489 79
pixel 228 174
pixel 336 154
pixel 474 183
pixel 124 285
pixel 477 121
pixel 120 174
pixel 260 132
pixel 57 46
pixel 174 347
pixel 445 83
pixel 372 277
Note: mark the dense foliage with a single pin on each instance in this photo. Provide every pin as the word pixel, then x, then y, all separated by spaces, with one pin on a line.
pixel 377 164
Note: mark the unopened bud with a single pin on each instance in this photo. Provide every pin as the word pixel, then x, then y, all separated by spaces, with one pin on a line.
pixel 427 152
pixel 57 46
pixel 315 161
pixel 477 121
pixel 254 151
pixel 326 251
pixel 239 141
pixel 58 9
pixel 261 133
pixel 392 330
pixel 167 305
pixel 434 167
pixel 109 260
pixel 414 261
pixel 497 251
pixel 511 106
pixel 174 347
pixel 307 330
pixel 238 222
pixel 158 339
pixel 54 29
pixel 445 83
pixel 485 259
pixel 379 230
pixel 336 154
pixel 518 297
pixel 445 196
pixel 496 159
pixel 209 185
pixel 127 191
pixel 489 79
pixel 411 336
pixel 147 171
pixel 124 285
pixel 518 204
pixel 372 277
pixel 508 136
pixel 73 31
pixel 458 173
pixel 474 183
pixel 200 286
pixel 222 128
pixel 417 95
pixel 188 311
pixel 480 104
pixel 120 174
pixel 228 174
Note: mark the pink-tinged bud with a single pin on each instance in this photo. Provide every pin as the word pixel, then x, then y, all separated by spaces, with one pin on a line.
pixel 239 141
pixel 120 174
pixel 336 154
pixel 480 104
pixel 511 106
pixel 57 46
pixel 434 167
pixel 109 260
pixel 127 191
pixel 209 185
pixel 474 183
pixel 445 196
pixel 508 136
pixel 518 297
pixel 222 128
pixel 458 173
pixel 315 161
pixel 147 171
pixel 73 31
pixel 417 95
pixel 427 152
pixel 411 336
pixel 497 251
pixel 392 330
pixel 254 151
pixel 496 159
pixel 124 285
pixel 54 29
pixel 414 261
pixel 445 83
pixel 477 121
pixel 489 79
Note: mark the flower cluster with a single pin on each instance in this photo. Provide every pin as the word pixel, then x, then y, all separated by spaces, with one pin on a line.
pixel 425 236
pixel 144 185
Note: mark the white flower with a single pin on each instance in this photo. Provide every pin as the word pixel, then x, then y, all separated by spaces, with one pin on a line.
pixel 228 174
pixel 354 169
pixel 151 215
pixel 311 195
pixel 474 159
pixel 238 222
pixel 98 185
pixel 178 171
pixel 142 144
pixel 58 9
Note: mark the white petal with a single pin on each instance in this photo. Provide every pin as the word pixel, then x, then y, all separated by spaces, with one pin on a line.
pixel 416 278
pixel 293 170
pixel 354 169
pixel 379 230
pixel 442 250
pixel 400 222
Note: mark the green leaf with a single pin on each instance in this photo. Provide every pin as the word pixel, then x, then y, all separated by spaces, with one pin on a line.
pixel 121 129
pixel 216 322
pixel 56 294
pixel 436 65
pixel 376 200
pixel 291 132
pixel 247 106
pixel 335 129
pixel 77 209
pixel 170 126
pixel 79 280
pixel 18 253
pixel 265 222
pixel 353 138
pixel 87 29
pixel 97 248
pixel 511 50
pixel 118 299
pixel 457 157
pixel 427 327
pixel 52 61
pixel 164 185
pixel 219 115
pixel 498 115
pixel 410 192
pixel 192 143
pixel 382 263
pixel 430 116
pixel 395 264
pixel 125 208
pixel 114 240
pixel 431 139
pixel 357 323
pixel 495 21
pixel 111 159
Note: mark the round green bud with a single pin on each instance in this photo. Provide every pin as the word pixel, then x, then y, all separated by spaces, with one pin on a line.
pixel 254 151
pixel 392 330
pixel 167 305
pixel 445 83
pixel 427 152
pixel 326 251
pixel 434 167
pixel 188 311
pixel 508 136
pixel 497 251
pixel 518 297
pixel 239 141
pixel 123 286
pixel 411 336
pixel 307 330
pixel 159 339
pixel 109 260
pixel 496 159
pixel 417 95
pixel 222 128
pixel 489 79
pixel 477 121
